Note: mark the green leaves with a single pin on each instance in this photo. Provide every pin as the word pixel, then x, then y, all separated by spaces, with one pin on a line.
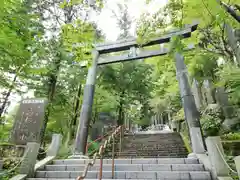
pixel 211 125
pixel 229 76
pixel 78 39
pixel 130 83
pixel 176 44
pixel 203 66
pixel 69 3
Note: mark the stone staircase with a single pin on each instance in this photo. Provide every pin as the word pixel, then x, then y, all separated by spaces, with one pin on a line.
pixel 164 159
pixel 147 168
pixel 153 145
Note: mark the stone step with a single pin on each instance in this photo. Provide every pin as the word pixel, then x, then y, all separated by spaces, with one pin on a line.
pixel 147 151
pixel 159 143
pixel 150 151
pixel 152 154
pixel 128 167
pixel 151 140
pixel 168 175
pixel 133 161
pixel 66 179
pixel 152 135
pixel 147 156
pixel 168 142
pixel 149 148
pixel 154 139
pixel 141 156
pixel 154 147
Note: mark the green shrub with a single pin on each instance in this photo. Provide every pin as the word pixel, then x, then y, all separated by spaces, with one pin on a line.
pixel 231 136
pixel 93 147
pixel 211 120
pixel 10 163
pixel 211 125
pixel 10 166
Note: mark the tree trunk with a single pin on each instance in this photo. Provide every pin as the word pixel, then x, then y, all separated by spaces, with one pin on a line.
pixel 120 120
pixel 3 106
pixel 74 121
pixel 52 80
pixel 76 107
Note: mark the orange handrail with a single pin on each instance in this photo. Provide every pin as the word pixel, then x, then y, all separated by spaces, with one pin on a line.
pixel 98 139
pixel 117 131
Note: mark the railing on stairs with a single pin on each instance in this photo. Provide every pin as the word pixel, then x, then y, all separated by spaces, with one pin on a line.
pixel 99 139
pixel 224 160
pixel 215 153
pixel 111 139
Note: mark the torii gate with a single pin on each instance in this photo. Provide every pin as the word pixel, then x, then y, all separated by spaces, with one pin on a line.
pixel 191 112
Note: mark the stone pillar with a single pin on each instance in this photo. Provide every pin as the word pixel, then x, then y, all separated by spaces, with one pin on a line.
pixel 232 39
pixel 29 159
pixel 126 123
pixel 169 119
pixel 126 120
pixel 192 115
pixel 156 119
pixel 237 163
pixel 207 84
pixel 174 126
pixel 1 164
pixel 130 124
pixel 228 110
pixel 215 149
pixel 91 2
pixel 204 96
pixel 55 145
pixel 197 94
pixel 197 140
pixel 86 110
pixel 161 119
pixel 96 130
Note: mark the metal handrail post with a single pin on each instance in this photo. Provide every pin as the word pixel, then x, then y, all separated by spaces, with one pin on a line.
pixel 120 141
pixel 113 156
pixel 100 155
pixel 122 130
pixel 101 164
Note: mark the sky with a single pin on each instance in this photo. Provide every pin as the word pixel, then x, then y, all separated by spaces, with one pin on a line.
pixel 108 24
pixel 136 7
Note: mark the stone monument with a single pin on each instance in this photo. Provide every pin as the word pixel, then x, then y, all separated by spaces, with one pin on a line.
pixel 29 121
pixel 196 93
pixel 208 91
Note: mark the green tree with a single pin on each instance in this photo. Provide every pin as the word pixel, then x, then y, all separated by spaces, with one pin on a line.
pixel 19 32
pixel 130 82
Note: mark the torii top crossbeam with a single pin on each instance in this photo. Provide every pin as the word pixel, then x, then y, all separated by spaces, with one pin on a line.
pixel 127 44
